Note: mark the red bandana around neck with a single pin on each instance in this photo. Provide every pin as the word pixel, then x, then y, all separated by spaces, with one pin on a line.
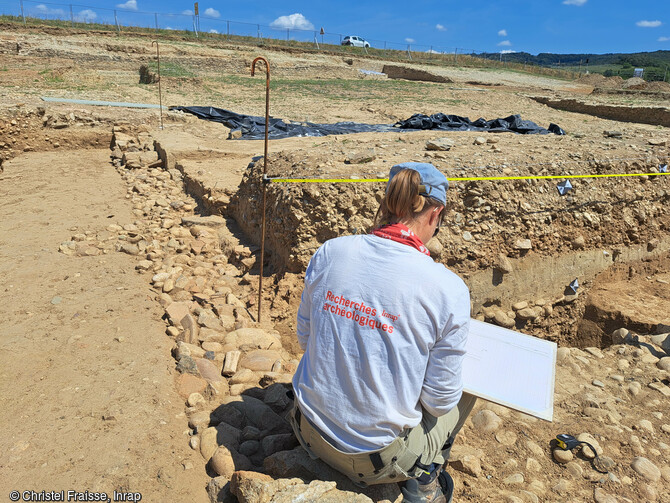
pixel 401 234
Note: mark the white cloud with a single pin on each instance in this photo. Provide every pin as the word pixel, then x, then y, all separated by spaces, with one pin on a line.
pixel 187 12
pixel 209 12
pixel 46 11
pixel 578 3
pixel 664 39
pixel 410 40
pixel 85 16
pixel 130 5
pixel 213 31
pixel 440 27
pixel 648 24
pixel 502 33
pixel 505 43
pixel 293 22
pixel 507 51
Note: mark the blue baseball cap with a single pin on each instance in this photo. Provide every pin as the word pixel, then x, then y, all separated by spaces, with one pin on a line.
pixel 433 183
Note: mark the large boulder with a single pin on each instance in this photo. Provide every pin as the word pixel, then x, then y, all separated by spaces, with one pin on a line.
pixel 260 360
pixel 253 338
pixel 222 434
pixel 218 490
pixel 297 463
pixel 253 487
pixel 226 461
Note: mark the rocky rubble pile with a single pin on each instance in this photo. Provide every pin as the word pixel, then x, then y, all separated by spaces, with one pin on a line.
pixel 233 373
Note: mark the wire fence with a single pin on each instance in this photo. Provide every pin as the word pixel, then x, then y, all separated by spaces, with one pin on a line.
pixel 209 26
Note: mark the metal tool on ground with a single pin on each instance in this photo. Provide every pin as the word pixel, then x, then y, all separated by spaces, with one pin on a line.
pixel 568 443
pixel 265 170
pixel 160 94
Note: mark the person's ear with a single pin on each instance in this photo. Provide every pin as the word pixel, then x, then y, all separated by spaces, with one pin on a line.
pixel 435 215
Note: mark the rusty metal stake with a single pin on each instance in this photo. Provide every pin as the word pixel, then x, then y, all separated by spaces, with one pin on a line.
pixel 160 95
pixel 265 169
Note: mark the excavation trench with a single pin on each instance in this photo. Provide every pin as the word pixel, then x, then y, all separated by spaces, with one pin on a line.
pixel 518 244
pixel 657 116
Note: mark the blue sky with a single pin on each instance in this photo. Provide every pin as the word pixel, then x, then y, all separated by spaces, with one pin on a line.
pixel 558 26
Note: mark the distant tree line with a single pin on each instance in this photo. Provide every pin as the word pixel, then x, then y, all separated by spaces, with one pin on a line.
pixel 654 63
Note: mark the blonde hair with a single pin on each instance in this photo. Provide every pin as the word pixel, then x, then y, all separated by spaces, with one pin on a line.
pixel 402 199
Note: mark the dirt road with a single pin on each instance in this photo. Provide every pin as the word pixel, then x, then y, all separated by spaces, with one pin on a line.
pixel 89 400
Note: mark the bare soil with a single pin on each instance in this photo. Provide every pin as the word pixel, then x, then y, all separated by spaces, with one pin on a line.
pixel 89 396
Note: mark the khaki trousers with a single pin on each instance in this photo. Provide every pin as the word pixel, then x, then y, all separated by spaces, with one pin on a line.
pixel 406 457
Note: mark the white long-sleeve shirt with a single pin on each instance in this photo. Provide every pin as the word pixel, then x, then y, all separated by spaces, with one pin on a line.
pixel 384 328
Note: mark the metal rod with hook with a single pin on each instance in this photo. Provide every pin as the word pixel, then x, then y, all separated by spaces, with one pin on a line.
pixel 265 169
pixel 160 94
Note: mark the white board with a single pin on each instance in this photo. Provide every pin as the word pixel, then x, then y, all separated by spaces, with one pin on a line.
pixel 509 368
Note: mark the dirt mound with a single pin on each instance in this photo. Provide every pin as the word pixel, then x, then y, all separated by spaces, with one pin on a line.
pixel 635 83
pixel 592 79
pixel 611 83
pixel 663 87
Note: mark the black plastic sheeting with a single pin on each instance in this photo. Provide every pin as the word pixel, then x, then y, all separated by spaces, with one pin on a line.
pixel 445 122
pixel 253 128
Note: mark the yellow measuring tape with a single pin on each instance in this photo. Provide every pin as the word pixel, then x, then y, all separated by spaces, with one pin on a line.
pixel 458 179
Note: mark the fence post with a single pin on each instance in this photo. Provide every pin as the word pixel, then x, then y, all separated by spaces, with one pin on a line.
pixel 71 17
pixel 430 54
pixel 228 30
pixel 409 54
pixel 288 34
pixel 116 22
pixel 22 13
pixel 195 28
pixel 156 19
pixel 258 31
pixel 456 55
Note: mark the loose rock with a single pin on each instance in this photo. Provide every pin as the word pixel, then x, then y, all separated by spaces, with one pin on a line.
pixel 646 469
pixel 486 421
